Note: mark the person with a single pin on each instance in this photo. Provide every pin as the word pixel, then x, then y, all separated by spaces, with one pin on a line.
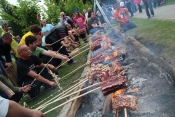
pixel 80 20
pixel 122 17
pixel 128 5
pixel 14 43
pixel 94 24
pixel 99 15
pixel 5 49
pixel 85 13
pixel 28 68
pixel 148 6
pixel 31 42
pixel 89 12
pixel 138 2
pixel 64 18
pixel 12 109
pixel 34 30
pixel 45 29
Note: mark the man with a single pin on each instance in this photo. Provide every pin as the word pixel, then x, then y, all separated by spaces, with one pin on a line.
pixel 122 17
pixel 89 12
pixel 94 24
pixel 12 109
pixel 31 42
pixel 14 43
pixel 128 5
pixel 28 67
pixel 45 29
pixel 85 14
pixel 64 18
pixel 34 30
pixel 5 49
pixel 148 5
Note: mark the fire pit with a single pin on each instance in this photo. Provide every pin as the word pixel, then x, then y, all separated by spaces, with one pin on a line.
pixel 148 82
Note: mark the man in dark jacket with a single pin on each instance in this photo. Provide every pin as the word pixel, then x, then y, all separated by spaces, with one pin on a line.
pixel 5 49
pixel 148 5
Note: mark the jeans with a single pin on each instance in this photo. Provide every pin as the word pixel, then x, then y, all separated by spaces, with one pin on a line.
pixel 148 5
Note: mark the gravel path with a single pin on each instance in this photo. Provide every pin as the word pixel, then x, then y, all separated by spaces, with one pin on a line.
pixel 162 12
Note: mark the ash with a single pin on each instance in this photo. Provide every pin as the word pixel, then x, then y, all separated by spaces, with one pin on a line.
pixel 93 114
pixel 156 95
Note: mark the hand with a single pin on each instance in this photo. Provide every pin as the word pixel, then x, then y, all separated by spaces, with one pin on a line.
pixel 26 88
pixel 53 84
pixel 51 67
pixel 37 113
pixel 8 64
pixel 66 59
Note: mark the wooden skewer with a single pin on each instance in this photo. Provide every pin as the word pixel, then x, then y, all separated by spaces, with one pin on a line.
pixel 75 70
pixel 46 65
pixel 125 112
pixel 49 97
pixel 66 91
pixel 71 100
pixel 44 106
pixel 72 58
pixel 56 79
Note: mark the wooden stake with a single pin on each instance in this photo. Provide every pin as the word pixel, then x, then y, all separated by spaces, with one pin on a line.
pixel 44 106
pixel 125 112
pixel 72 100
pixel 72 58
pixel 66 91
pixel 75 70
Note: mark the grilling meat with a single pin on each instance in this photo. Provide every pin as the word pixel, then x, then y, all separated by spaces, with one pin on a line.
pixel 125 101
pixel 95 46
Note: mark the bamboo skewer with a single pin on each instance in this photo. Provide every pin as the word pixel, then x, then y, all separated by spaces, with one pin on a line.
pixel 75 70
pixel 56 79
pixel 125 112
pixel 71 100
pixel 72 58
pixel 66 91
pixel 55 93
pixel 44 106
pixel 46 65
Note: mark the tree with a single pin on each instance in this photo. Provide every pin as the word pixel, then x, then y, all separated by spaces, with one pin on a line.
pixel 20 17
pixel 68 6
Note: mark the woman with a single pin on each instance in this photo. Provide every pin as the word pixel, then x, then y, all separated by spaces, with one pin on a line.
pixel 80 20
pixel 138 2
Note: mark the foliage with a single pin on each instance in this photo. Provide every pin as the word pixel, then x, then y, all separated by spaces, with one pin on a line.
pixel 20 17
pixel 68 6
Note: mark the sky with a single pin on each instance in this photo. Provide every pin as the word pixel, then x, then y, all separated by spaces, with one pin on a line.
pixel 14 2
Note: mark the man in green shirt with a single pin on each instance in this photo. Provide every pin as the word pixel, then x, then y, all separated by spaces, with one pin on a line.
pixel 31 42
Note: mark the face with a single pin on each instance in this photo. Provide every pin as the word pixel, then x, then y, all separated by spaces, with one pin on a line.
pixel 43 23
pixel 93 15
pixel 39 41
pixel 25 52
pixel 34 44
pixel 84 11
pixel 7 40
pixel 68 26
pixel 6 28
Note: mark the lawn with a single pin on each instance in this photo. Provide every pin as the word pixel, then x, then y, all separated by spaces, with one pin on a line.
pixel 160 33
pixel 66 83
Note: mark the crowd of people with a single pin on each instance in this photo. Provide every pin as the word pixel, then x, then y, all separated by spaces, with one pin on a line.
pixel 34 50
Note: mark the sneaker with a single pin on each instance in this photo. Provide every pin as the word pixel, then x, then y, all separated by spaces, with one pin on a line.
pixel 148 17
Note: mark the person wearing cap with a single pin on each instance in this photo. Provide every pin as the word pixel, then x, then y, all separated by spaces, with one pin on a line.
pixel 122 16
pixel 80 20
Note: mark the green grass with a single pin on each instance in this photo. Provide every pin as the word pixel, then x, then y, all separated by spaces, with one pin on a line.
pixel 67 82
pixel 161 33
pixel 169 2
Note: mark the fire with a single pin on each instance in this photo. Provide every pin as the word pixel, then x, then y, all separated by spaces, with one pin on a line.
pixel 115 53
pixel 120 91
pixel 117 67
pixel 108 42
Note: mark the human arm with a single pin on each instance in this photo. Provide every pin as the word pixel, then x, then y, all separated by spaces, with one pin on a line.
pixel 58 55
pixel 16 110
pixel 40 78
